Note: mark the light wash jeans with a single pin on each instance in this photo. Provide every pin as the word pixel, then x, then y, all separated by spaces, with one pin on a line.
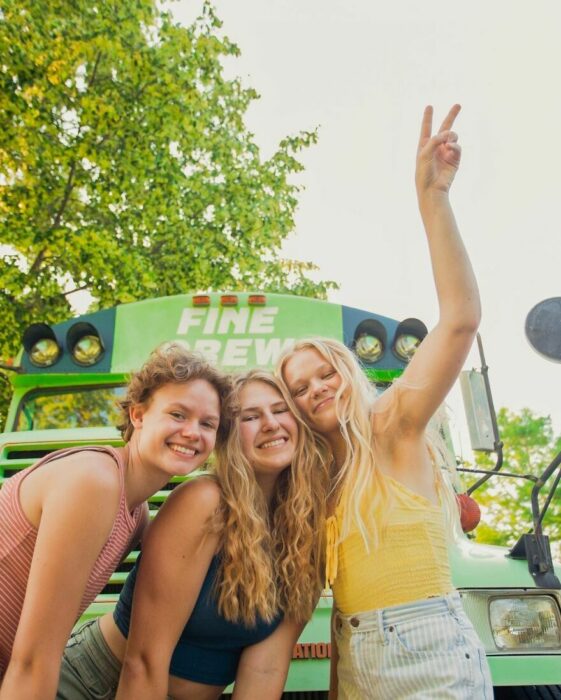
pixel 422 650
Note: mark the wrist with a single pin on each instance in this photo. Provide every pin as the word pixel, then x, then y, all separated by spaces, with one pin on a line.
pixel 432 200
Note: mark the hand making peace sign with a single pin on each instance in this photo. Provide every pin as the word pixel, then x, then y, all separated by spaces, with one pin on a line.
pixel 438 156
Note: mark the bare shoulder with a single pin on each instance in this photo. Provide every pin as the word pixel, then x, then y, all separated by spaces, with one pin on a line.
pixel 189 509
pixel 91 468
pixel 199 497
pixel 80 472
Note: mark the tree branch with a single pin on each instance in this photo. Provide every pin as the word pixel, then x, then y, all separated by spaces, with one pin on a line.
pixel 94 72
pixel 73 291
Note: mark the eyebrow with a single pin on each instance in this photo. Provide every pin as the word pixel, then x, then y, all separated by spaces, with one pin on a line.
pixel 189 409
pixel 299 380
pixel 260 408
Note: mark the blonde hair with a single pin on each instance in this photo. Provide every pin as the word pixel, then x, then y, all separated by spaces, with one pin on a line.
pixel 358 474
pixel 270 561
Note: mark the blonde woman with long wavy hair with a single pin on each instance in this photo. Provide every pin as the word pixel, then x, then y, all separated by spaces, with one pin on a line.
pixel 230 571
pixel 399 630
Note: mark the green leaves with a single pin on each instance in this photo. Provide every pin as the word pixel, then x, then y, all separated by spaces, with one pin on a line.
pixel 125 164
pixel 529 446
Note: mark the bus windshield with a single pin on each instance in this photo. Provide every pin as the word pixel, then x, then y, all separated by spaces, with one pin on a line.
pixel 79 407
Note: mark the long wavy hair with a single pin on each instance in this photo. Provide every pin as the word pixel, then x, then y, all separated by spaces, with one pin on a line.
pixel 272 558
pixel 358 474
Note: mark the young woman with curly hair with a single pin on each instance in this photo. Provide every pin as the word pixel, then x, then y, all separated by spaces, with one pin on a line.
pixel 68 520
pixel 399 630
pixel 230 571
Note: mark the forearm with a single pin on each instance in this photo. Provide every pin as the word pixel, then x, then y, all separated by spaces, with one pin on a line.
pixel 32 679
pixel 456 286
pixel 141 681
pixel 255 684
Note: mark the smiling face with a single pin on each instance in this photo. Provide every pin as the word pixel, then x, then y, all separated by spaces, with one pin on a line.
pixel 313 383
pixel 268 430
pixel 175 431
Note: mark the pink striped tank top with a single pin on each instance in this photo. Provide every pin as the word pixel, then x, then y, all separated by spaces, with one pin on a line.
pixel 17 542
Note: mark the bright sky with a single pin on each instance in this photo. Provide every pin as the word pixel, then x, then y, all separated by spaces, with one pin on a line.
pixel 362 71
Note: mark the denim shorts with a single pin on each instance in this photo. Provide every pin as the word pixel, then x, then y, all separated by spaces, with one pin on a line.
pixel 89 670
pixel 427 649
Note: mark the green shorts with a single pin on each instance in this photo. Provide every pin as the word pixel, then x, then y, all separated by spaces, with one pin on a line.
pixel 89 670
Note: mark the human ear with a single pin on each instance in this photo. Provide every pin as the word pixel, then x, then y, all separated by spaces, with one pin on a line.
pixel 136 414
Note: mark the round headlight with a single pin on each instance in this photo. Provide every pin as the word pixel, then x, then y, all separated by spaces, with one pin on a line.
pixel 87 350
pixel 405 346
pixel 369 348
pixel 44 352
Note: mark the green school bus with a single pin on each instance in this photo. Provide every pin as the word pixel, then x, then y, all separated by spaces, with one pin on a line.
pixel 68 376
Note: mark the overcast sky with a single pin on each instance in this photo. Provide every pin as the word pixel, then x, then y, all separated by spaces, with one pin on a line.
pixel 362 71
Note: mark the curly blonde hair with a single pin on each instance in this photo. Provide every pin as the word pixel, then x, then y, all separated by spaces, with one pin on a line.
pixel 358 475
pixel 172 363
pixel 271 558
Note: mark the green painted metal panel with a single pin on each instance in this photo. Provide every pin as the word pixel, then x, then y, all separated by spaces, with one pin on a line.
pixel 476 565
pixel 523 670
pixel 235 337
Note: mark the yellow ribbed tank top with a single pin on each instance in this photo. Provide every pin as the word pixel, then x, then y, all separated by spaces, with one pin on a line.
pixel 410 562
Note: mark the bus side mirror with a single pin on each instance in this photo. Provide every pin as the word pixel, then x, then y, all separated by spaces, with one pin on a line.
pixel 478 411
pixel 479 408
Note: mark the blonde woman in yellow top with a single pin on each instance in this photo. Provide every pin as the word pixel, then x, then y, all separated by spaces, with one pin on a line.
pixel 399 630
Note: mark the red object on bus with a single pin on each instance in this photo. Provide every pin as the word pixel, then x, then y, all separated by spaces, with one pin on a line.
pixel 470 512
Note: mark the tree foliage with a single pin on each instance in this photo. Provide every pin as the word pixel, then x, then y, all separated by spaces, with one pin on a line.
pixel 125 165
pixel 529 446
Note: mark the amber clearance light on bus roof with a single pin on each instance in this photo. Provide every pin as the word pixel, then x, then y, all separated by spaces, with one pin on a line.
pixel 229 300
pixel 257 300
pixel 201 300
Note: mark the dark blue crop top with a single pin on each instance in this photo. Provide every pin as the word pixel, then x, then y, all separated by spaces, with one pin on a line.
pixel 209 648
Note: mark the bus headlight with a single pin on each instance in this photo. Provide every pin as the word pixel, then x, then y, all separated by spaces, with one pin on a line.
pixel 369 341
pixel 408 337
pixel 369 348
pixel 525 622
pixel 405 346
pixel 41 345
pixel 84 343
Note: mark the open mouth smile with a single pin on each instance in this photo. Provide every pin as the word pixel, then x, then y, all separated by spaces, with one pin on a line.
pixel 277 442
pixel 182 450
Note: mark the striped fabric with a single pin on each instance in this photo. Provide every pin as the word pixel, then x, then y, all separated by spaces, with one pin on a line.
pixel 421 651
pixel 17 543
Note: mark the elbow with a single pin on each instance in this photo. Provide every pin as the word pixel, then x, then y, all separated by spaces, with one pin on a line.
pixel 469 325
pixel 33 670
pixel 270 670
pixel 464 322
pixel 136 669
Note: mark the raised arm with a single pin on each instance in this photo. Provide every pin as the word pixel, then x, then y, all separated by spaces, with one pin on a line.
pixel 77 512
pixel 263 667
pixel 176 555
pixel 439 359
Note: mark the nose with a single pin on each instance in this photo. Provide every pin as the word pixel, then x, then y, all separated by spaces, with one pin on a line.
pixel 191 429
pixel 318 386
pixel 270 422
